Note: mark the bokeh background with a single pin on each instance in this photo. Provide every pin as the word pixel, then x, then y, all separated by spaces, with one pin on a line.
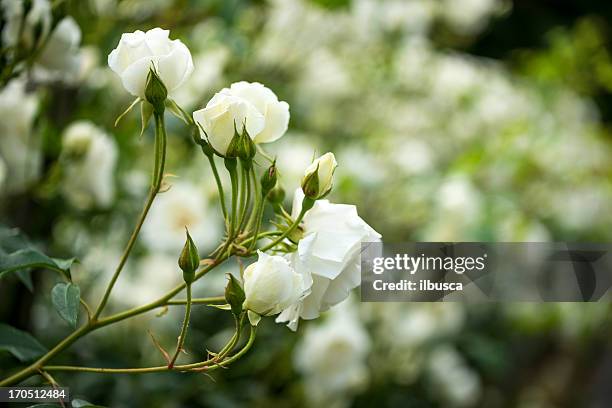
pixel 452 120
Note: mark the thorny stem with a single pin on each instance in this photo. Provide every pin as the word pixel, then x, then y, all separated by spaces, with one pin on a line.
pixel 181 339
pixel 209 365
pixel 91 326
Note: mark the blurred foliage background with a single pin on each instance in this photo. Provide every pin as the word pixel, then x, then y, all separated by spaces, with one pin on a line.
pixel 479 120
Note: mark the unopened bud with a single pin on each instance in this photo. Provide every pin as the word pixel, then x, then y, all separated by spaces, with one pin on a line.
pixel 234 294
pixel 268 179
pixel 189 260
pixel 155 92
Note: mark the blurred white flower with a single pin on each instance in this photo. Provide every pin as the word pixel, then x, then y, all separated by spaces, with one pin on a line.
pixel 458 207
pixel 206 76
pixel 322 171
pixel 184 205
pixel 271 285
pixel 457 384
pixel 60 58
pixel 138 52
pixel 33 27
pixel 362 165
pixel 413 156
pixel 468 17
pixel 413 325
pixel 412 16
pixel 148 280
pixel 324 76
pixel 293 154
pixel 90 158
pixel 19 146
pixel 332 357
pixel 243 104
pixel 329 251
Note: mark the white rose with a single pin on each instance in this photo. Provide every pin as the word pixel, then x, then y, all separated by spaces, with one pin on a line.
pixel 184 205
pixel 61 57
pixel 324 167
pixel 138 51
pixel 271 285
pixel 332 357
pixel 35 26
pixel 19 146
pixel 90 159
pixel 251 105
pixel 330 253
pixel 457 383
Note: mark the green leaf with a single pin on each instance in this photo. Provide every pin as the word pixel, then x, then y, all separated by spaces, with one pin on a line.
pixel 32 258
pixel 125 112
pixel 177 111
pixel 25 276
pixel 146 111
pixel 65 298
pixel 19 343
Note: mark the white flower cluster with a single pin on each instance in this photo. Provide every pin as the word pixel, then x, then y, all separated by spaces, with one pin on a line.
pixel 325 266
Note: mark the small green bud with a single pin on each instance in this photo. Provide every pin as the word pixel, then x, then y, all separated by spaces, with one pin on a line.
pixel 155 91
pixel 234 294
pixel 268 179
pixel 276 195
pixel 247 146
pixel 234 147
pixel 310 184
pixel 189 260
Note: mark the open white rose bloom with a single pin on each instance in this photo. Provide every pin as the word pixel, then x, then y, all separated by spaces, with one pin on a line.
pixel 243 104
pixel 329 253
pixel 139 51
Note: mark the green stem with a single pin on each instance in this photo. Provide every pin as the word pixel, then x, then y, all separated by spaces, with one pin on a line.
pixel 307 204
pixel 158 175
pixel 91 326
pixel 210 364
pixel 258 201
pixel 211 159
pixel 181 340
pixel 197 301
pixel 246 180
pixel 234 180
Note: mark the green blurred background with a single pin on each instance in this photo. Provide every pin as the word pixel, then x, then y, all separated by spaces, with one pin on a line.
pixel 452 120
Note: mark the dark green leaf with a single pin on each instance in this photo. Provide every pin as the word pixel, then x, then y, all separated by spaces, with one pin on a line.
pixel 19 343
pixel 65 298
pixel 25 276
pixel 32 258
